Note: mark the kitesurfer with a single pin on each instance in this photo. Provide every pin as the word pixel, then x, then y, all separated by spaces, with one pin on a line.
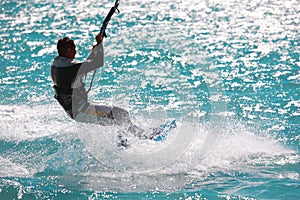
pixel 67 75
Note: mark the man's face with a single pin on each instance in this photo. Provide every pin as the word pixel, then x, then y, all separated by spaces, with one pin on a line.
pixel 71 52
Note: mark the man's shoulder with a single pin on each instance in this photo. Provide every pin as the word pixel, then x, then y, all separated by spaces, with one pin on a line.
pixel 76 62
pixel 62 62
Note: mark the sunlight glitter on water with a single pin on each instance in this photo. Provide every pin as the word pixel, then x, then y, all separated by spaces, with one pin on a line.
pixel 177 58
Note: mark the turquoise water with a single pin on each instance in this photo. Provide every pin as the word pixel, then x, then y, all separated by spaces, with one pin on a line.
pixel 228 71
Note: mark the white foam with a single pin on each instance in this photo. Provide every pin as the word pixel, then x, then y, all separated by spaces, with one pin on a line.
pixel 170 165
pixel 191 150
pixel 241 146
pixel 22 122
pixel 10 169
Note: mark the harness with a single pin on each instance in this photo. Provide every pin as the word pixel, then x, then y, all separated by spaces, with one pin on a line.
pixel 113 10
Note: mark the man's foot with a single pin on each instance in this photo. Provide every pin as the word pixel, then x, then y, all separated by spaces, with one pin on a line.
pixel 137 131
pixel 162 131
pixel 155 133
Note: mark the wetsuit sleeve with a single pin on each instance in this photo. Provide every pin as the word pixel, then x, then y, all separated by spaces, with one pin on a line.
pixel 94 60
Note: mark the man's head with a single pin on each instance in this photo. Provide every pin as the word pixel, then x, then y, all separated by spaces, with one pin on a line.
pixel 66 48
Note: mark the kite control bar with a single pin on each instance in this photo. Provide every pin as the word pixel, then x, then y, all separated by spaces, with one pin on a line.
pixel 113 10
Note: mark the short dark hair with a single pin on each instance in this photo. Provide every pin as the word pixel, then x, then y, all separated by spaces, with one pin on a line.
pixel 63 45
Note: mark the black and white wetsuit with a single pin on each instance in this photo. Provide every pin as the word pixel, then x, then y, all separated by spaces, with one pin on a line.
pixel 70 92
pixel 67 77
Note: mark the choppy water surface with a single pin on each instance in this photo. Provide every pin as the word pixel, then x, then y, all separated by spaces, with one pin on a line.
pixel 227 71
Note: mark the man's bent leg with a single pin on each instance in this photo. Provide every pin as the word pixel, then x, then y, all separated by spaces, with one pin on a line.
pixel 108 116
pixel 97 115
pixel 122 117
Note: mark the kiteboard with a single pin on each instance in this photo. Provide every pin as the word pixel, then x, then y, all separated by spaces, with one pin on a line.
pixel 159 134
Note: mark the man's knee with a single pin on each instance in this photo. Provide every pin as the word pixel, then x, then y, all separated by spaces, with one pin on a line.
pixel 120 114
